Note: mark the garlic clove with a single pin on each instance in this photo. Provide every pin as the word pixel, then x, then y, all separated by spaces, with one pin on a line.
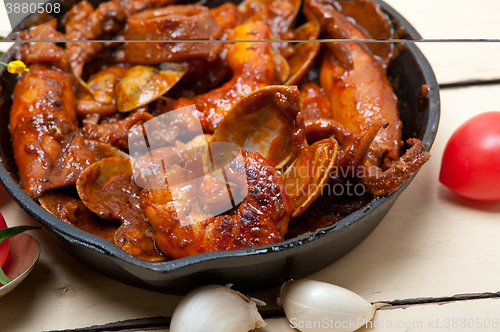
pixel 312 306
pixel 216 308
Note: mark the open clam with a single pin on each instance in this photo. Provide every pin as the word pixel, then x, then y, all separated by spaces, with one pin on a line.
pixel 196 142
pixel 303 55
pixel 98 94
pixel 107 188
pixel 103 150
pixel 100 184
pixel 281 69
pixel 306 177
pixel 75 213
pixel 102 84
pixel 268 121
pixel 143 84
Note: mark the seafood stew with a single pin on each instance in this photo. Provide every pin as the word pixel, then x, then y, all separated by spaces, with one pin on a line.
pixel 309 135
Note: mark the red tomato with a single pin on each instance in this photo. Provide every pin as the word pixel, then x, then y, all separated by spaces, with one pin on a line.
pixel 4 246
pixel 471 159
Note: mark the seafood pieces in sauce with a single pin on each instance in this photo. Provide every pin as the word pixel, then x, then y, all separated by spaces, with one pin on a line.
pixel 256 131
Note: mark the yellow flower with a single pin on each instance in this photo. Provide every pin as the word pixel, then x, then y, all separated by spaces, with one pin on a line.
pixel 16 67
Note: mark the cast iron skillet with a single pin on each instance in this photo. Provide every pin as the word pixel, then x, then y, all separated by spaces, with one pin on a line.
pixel 247 269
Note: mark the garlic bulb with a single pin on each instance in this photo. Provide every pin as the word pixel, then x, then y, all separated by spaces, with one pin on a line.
pixel 312 306
pixel 216 308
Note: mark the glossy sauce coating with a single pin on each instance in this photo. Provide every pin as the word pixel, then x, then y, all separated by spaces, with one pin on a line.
pixel 362 100
pixel 360 94
pixel 316 104
pixel 108 189
pixel 135 6
pixel 268 121
pixel 226 15
pixel 75 213
pixel 84 23
pixel 233 87
pixel 99 97
pixel 182 22
pixel 115 133
pixel 261 219
pixel 370 18
pixel 279 15
pixel 44 53
pixel 48 150
pixel 252 66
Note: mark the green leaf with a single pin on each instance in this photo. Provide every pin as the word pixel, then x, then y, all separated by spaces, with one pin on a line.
pixel 4 280
pixel 7 233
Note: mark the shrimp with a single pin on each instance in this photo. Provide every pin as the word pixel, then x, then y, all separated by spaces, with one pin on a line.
pixel 360 94
pixel 262 218
pixel 253 68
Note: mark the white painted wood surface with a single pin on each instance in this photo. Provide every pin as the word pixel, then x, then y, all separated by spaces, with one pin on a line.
pixel 473 315
pixel 431 244
pixel 459 19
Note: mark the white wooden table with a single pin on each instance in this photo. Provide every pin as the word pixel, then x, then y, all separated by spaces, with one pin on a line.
pixel 436 253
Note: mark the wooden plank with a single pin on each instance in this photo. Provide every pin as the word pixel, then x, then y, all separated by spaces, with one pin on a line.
pixel 474 315
pixel 456 62
pixel 471 315
pixel 451 19
pixel 454 20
